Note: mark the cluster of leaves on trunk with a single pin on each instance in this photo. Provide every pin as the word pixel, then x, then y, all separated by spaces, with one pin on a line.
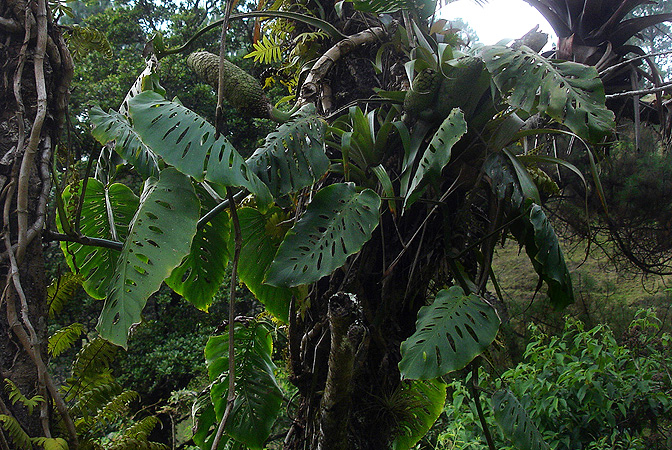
pixel 325 194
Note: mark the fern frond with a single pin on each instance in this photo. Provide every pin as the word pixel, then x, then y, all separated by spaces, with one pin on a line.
pixel 135 436
pixel 17 434
pixel 118 405
pixel 311 36
pixel 63 339
pixel 62 290
pixel 266 51
pixel 94 357
pixel 51 443
pixel 15 396
pixel 82 40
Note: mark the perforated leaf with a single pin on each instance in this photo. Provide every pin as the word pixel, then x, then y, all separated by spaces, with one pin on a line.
pixel 293 156
pixel 569 92
pixel 185 140
pixel 449 333
pixel 203 271
pixel 336 224
pixel 96 264
pixel 425 400
pixel 113 126
pixel 258 397
pixel 437 154
pixel 515 423
pixel 160 236
pixel 547 258
pixel 262 236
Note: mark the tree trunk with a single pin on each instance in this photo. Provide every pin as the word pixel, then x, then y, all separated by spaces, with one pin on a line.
pixel 36 72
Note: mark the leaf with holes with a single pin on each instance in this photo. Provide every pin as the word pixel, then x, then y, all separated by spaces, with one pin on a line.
pixel 336 224
pixel 543 248
pixel 569 92
pixel 425 400
pixel 293 156
pixel 449 333
pixel 515 423
pixel 258 396
pixel 200 275
pixel 160 236
pixel 437 155
pixel 185 140
pixel 106 214
pixel 262 235
pixel 113 126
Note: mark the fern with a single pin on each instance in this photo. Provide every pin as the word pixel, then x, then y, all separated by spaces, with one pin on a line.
pixel 266 51
pixel 135 436
pixel 51 443
pixel 15 396
pixel 62 290
pixel 17 434
pixel 63 339
pixel 117 406
pixel 94 356
pixel 82 40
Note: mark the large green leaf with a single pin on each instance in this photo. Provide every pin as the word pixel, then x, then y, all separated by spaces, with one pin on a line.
pixel 96 264
pixel 185 140
pixel 202 272
pixel 543 248
pixel 293 156
pixel 511 183
pixel 160 236
pixel 569 92
pixel 424 7
pixel 336 224
pixel 113 126
pixel 258 396
pixel 449 333
pixel 437 154
pixel 261 238
pixel 425 400
pixel 515 423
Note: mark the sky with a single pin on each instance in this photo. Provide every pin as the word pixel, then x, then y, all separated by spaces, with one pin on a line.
pixel 498 19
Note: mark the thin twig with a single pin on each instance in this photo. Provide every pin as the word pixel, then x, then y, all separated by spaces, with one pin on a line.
pixel 219 112
pixel 660 88
pixel 84 240
pixel 231 396
pixel 479 408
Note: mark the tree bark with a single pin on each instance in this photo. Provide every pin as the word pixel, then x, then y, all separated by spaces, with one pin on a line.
pixel 36 72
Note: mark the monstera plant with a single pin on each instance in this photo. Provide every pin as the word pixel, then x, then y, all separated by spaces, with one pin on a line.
pixel 368 227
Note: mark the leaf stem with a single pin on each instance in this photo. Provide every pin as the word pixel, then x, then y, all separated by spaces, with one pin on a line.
pixel 479 408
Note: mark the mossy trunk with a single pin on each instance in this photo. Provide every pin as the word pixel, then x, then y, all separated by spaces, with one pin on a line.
pixel 36 71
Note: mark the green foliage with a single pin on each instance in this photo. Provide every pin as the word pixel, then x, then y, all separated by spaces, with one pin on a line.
pixel 420 403
pixel 15 396
pixel 165 220
pixel 262 235
pixel 192 149
pixel 293 156
pixel 63 339
pixel 580 389
pixel 515 422
pixel 437 155
pixel 266 51
pixel 449 334
pixel 337 223
pixel 62 290
pixel 202 272
pixel 106 213
pixel 51 443
pixel 113 126
pixel 569 92
pixel 17 435
pixel 258 397
pixel 82 40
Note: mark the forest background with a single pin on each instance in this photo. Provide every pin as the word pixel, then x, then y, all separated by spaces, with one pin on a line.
pixel 584 375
